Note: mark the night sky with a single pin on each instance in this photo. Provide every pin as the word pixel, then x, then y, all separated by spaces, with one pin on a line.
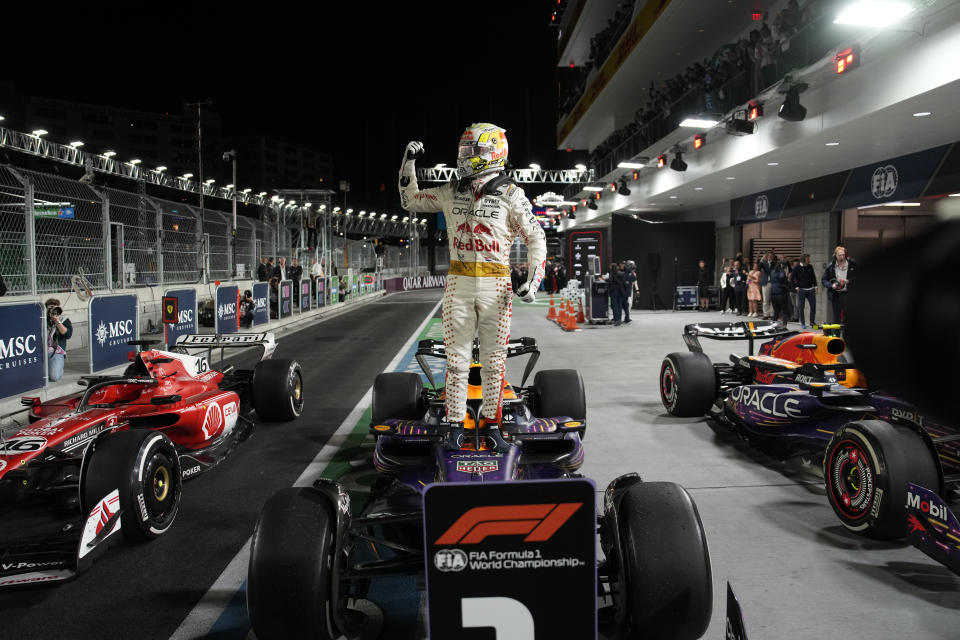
pixel 354 79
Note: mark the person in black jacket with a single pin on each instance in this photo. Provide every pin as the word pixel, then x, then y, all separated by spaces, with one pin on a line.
pixel 704 278
pixel 295 273
pixel 617 285
pixel 837 278
pixel 630 284
pixel 805 282
pixel 778 290
pixel 739 287
pixel 262 273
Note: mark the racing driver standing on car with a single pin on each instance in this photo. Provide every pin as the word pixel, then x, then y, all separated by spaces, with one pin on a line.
pixel 485 211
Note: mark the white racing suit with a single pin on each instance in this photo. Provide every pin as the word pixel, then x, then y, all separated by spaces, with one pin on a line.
pixel 479 296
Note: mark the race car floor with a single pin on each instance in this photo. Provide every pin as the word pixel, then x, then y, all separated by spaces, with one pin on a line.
pixel 797 572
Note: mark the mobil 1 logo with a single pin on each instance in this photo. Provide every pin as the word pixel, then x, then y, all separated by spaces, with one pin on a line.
pixel 494 550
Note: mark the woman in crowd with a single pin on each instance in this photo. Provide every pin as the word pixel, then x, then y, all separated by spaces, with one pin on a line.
pixel 740 288
pixel 753 290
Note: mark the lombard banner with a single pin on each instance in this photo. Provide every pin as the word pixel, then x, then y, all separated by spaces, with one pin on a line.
pixel 227 319
pixel 414 283
pixel 286 298
pixel 763 206
pixel 304 295
pixel 186 315
pixel 112 323
pixel 261 299
pixel 23 350
pixel 891 180
pixel 492 546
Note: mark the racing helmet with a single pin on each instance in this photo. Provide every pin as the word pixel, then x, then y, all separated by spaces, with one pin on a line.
pixel 483 148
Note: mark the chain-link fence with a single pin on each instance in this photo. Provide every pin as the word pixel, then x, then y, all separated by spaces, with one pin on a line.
pixel 13 238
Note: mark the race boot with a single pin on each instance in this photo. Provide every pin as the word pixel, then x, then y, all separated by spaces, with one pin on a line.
pixel 490 428
pixel 453 438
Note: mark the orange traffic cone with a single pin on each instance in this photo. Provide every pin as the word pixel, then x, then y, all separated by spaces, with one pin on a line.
pixel 561 318
pixel 580 317
pixel 571 318
pixel 552 312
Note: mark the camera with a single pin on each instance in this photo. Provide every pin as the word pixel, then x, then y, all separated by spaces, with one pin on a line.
pixel 54 311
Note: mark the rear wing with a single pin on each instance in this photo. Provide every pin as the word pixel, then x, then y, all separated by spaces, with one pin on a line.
pixel 748 331
pixel 210 341
pixel 515 347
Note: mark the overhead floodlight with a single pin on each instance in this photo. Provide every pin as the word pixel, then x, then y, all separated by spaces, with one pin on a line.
pixel 580 167
pixel 623 190
pixel 76 144
pixel 592 188
pixel 186 176
pixel 440 165
pixel 677 164
pixel 900 204
pixel 791 110
pixel 212 180
pixel 160 169
pixel 874 13
pixel 229 186
pixel 593 205
pixel 39 132
pixel 292 202
pixel 535 166
pixel 109 154
pixel 263 193
pixel 383 217
pixel 699 123
pixel 405 218
pixel 308 205
pixel 247 190
pixel 394 217
pixel 631 165
pixel 136 161
pixel 2 118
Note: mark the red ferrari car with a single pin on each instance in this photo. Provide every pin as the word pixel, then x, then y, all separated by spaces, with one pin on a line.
pixel 113 457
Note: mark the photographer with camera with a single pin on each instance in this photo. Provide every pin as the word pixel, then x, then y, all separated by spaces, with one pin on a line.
pixel 59 331
pixel 247 309
pixel 837 278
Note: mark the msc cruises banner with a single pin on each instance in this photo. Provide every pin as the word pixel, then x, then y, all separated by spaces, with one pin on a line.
pixel 186 315
pixel 763 206
pixel 415 283
pixel 112 323
pixel 891 180
pixel 261 299
pixel 227 316
pixel 23 334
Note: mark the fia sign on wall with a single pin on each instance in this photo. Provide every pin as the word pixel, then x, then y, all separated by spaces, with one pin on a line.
pixel 23 350
pixel 186 315
pixel 227 312
pixel 112 323
pixel 491 548
pixel 891 180
pixel 261 300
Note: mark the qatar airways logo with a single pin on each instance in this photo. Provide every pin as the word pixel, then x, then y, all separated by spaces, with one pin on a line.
pixel 18 346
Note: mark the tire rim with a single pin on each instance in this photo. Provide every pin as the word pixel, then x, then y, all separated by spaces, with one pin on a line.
pixel 852 479
pixel 296 393
pixel 161 483
pixel 668 385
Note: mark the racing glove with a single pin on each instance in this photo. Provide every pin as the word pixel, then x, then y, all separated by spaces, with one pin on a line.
pixel 526 293
pixel 413 151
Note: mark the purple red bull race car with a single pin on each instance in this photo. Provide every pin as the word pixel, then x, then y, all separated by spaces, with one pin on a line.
pixel 798 398
pixel 312 555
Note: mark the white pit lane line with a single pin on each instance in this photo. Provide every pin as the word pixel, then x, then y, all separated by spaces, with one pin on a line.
pixel 203 616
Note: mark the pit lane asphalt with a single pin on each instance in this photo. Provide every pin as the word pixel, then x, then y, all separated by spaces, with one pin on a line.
pixel 145 590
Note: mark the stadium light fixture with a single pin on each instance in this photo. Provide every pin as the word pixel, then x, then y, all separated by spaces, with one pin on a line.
pixel 349 211
pixel 109 154
pixel 699 123
pixel 263 193
pixel 247 190
pixel 631 165
pixel 394 217
pixel 39 132
pixel 2 118
pixel 921 114
pixel 677 164
pixel 383 217
pixel 186 176
pixel 791 110
pixel 440 165
pixel 592 188
pixel 535 166
pixel 874 13
pixel 136 161
pixel 160 169
pixel 580 167
pixel 228 187
pixel 76 144
pixel 624 190
pixel 592 206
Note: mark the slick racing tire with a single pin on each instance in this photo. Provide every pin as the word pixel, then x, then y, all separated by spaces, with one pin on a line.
pixel 866 469
pixel 277 389
pixel 666 583
pixel 397 396
pixel 289 580
pixel 688 384
pixel 560 392
pixel 144 467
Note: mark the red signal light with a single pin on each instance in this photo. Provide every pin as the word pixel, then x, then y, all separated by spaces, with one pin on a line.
pixel 613 186
pixel 754 111
pixel 847 60
pixel 661 161
pixel 598 195
pixel 636 176
pixel 698 140
pixel 756 17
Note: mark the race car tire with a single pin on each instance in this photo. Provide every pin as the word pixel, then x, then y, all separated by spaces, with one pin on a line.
pixel 277 390
pixel 866 469
pixel 289 577
pixel 560 392
pixel 397 396
pixel 688 384
pixel 144 467
pixel 666 581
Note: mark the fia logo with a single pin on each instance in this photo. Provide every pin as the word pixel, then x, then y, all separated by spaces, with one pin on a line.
pixel 884 182
pixel 761 206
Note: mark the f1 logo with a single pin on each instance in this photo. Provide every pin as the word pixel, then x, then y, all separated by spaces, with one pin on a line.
pixel 538 521
pixel 510 619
